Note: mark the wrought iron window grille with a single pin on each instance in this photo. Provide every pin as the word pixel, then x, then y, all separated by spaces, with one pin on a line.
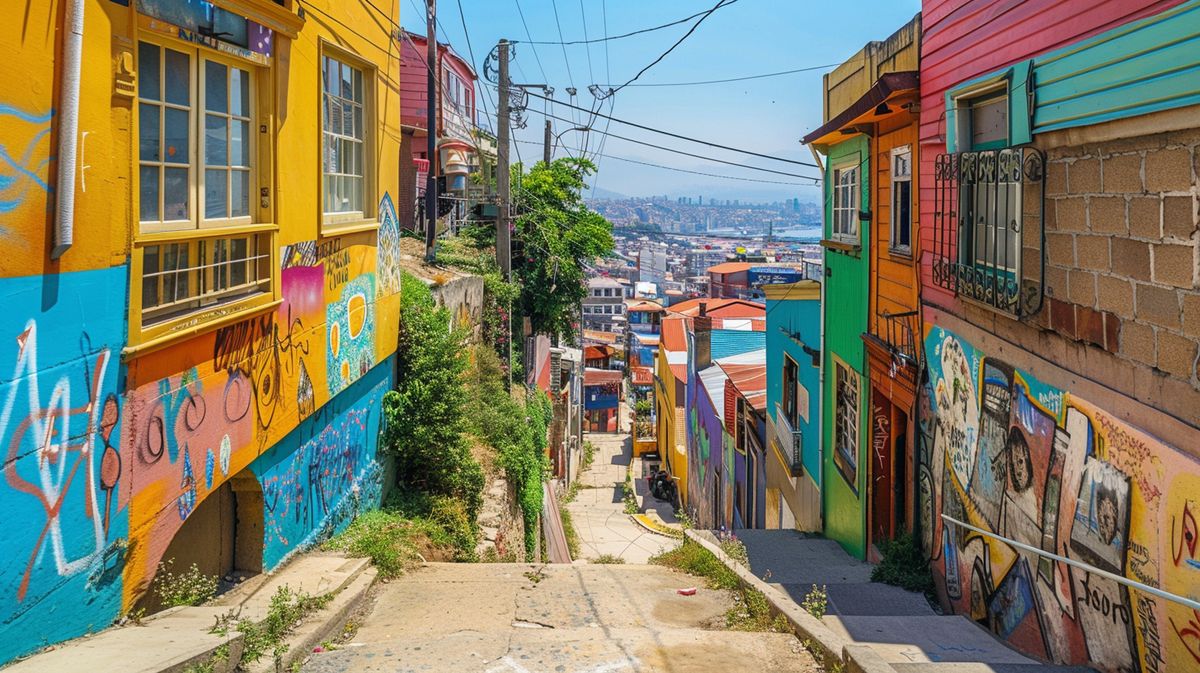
pixel 989 242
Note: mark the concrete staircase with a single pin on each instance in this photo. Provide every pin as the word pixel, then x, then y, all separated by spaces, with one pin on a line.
pixel 174 639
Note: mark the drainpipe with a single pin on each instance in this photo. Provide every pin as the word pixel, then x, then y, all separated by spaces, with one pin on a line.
pixel 68 129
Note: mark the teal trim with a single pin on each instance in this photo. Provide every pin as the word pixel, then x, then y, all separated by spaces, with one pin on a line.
pixel 951 124
pixel 1020 124
pixel 1144 66
pixel 1016 86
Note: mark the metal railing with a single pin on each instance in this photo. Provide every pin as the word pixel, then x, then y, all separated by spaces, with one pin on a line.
pixel 897 333
pixel 1133 584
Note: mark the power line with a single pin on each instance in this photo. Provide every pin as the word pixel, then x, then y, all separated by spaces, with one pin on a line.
pixel 570 77
pixel 689 154
pixel 586 48
pixel 537 58
pixel 678 42
pixel 678 170
pixel 621 37
pixel 736 79
pixel 690 139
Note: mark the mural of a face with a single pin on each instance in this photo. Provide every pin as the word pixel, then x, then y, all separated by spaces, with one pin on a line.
pixel 1106 514
pixel 1020 465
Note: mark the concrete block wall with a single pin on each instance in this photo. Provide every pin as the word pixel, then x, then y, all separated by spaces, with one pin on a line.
pixel 1123 264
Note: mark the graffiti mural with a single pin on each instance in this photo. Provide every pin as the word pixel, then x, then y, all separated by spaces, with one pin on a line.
pixel 60 429
pixel 318 477
pixel 1007 454
pixel 710 461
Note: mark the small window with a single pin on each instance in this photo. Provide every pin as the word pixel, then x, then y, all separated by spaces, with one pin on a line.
pixel 791 378
pixel 345 146
pixel 846 413
pixel 902 200
pixel 845 203
pixel 191 275
pixel 989 121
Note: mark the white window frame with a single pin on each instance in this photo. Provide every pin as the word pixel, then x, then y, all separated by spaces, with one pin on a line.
pixel 897 153
pixel 335 221
pixel 846 417
pixel 198 58
pixel 847 202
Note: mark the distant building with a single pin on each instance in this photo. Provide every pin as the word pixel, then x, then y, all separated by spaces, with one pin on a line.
pixel 604 305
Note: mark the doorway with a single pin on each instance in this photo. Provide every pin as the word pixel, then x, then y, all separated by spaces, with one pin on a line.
pixel 222 537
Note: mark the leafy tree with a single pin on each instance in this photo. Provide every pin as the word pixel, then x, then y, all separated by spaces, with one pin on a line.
pixel 559 235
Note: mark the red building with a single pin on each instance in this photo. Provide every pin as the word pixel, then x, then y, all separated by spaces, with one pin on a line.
pixel 462 148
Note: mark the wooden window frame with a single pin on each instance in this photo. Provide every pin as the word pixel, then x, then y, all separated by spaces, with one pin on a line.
pixel 893 247
pixel 158 334
pixel 337 223
pixel 852 208
pixel 850 417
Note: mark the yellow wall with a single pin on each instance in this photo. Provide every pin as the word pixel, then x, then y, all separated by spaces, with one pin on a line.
pixel 668 410
pixel 147 429
pixel 847 83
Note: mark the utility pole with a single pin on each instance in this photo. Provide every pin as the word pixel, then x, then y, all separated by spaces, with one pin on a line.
pixel 503 242
pixel 546 144
pixel 431 91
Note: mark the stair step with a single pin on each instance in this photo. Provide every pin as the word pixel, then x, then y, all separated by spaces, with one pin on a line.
pixel 971 667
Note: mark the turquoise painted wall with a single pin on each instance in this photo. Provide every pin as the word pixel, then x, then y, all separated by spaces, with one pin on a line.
pixel 846 283
pixel 802 318
pixel 727 342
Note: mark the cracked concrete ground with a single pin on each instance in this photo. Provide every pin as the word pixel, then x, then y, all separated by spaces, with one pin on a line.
pixel 599 512
pixel 496 618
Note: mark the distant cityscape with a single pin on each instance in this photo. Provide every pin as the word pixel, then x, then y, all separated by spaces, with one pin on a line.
pixel 790 219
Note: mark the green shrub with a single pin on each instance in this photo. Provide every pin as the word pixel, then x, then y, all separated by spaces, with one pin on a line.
pixel 693 559
pixel 608 559
pixel 190 587
pixel 569 532
pixel 391 541
pixel 287 609
pixel 904 565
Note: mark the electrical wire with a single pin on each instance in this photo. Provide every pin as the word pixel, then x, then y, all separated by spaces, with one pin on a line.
pixel 537 58
pixel 694 140
pixel 587 48
pixel 566 60
pixel 621 37
pixel 689 154
pixel 678 42
pixel 677 170
pixel 737 79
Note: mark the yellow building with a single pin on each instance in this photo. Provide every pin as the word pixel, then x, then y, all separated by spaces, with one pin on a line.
pixel 201 290
pixel 670 386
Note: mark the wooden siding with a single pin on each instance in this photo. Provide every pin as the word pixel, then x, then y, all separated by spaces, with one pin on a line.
pixel 848 82
pixel 965 39
pixel 893 278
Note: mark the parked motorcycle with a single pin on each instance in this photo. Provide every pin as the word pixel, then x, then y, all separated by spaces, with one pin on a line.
pixel 662 486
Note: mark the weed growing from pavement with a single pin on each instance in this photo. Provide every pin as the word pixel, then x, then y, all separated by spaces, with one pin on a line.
pixel 904 565
pixel 750 611
pixel 589 456
pixel 608 559
pixel 190 587
pixel 816 601
pixel 285 611
pixel 211 664
pixel 569 531
pixel 388 539
pixel 628 494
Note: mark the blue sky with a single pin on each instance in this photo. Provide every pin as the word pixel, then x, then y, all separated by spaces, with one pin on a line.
pixel 748 37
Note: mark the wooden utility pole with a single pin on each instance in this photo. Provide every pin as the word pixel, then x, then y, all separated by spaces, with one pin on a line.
pixel 431 132
pixel 503 241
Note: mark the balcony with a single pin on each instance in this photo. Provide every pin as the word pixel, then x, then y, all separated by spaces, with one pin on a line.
pixel 989 243
pixel 794 440
pixel 897 334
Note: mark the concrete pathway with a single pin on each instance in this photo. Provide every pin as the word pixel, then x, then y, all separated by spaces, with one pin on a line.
pixel 598 510
pixel 899 625
pixel 517 618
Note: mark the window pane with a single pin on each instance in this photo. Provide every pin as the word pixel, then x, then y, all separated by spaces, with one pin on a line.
pixel 216 199
pixel 216 145
pixel 149 71
pixel 331 75
pixel 150 149
pixel 330 154
pixel 335 124
pixel 149 193
pixel 239 143
pixel 240 199
pixel 358 86
pixel 903 213
pixel 216 87
pixel 175 194
pixel 329 196
pixel 355 194
pixel 149 282
pixel 347 82
pixel 178 77
pixel 177 136
pixel 239 92
pixel 358 122
pixel 989 121
pixel 348 119
pixel 237 267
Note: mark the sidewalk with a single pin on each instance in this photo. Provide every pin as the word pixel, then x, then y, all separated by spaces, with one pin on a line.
pixel 898 625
